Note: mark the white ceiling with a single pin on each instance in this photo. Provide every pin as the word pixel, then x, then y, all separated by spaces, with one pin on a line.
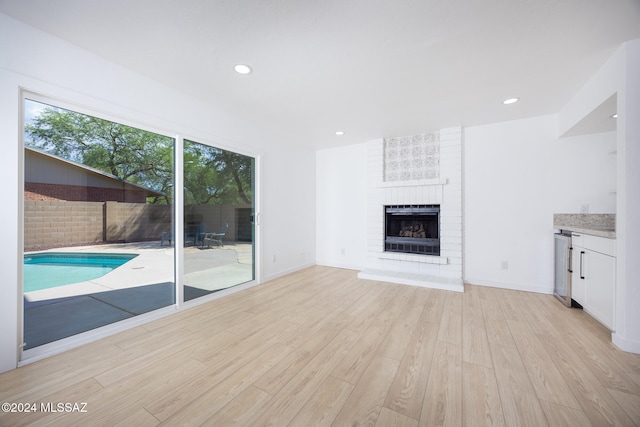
pixel 373 68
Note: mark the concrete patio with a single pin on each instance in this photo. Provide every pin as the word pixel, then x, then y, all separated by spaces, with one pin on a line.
pixel 143 284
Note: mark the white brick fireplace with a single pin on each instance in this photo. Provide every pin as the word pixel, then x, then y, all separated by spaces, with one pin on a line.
pixel 417 170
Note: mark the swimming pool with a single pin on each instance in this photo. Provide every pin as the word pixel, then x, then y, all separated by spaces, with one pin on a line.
pixel 49 270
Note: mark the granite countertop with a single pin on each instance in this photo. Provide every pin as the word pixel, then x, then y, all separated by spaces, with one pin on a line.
pixel 602 225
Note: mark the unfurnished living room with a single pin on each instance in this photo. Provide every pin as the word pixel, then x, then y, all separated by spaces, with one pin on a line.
pixel 298 213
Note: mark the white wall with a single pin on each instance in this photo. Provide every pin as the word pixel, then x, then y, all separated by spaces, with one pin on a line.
pixel 9 249
pixel 38 62
pixel 341 206
pixel 288 211
pixel 620 75
pixel 627 335
pixel 517 174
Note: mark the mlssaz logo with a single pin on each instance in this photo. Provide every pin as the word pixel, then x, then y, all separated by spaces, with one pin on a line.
pixel 63 407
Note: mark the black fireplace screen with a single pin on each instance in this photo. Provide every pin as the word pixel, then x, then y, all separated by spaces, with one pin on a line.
pixel 412 229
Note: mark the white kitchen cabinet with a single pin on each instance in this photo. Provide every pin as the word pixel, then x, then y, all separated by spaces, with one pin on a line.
pixel 600 272
pixel 594 276
pixel 577 284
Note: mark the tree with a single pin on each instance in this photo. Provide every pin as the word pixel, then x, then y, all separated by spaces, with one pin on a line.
pixel 132 154
pixel 211 175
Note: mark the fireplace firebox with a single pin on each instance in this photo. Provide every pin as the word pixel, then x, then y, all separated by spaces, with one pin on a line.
pixel 413 229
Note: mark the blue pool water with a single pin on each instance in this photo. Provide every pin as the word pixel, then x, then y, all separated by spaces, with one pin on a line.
pixel 43 271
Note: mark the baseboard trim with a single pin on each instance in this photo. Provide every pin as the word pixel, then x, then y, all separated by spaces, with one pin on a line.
pixel 625 344
pixel 344 266
pixel 512 286
pixel 288 271
pixel 433 282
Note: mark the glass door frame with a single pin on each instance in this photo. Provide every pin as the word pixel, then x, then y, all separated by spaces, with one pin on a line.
pixel 179 219
pixel 46 350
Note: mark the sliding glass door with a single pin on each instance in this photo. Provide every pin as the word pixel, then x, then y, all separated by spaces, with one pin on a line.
pixel 99 222
pixel 218 219
pixel 98 219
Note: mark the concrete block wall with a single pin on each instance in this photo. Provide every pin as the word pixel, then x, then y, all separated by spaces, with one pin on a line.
pixel 131 222
pixel 216 215
pixel 59 223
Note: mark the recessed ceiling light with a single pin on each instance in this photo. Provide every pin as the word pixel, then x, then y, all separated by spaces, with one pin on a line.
pixel 510 101
pixel 242 69
pixel 340 132
pixel 614 116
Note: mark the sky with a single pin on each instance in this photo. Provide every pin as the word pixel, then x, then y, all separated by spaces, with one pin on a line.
pixel 32 109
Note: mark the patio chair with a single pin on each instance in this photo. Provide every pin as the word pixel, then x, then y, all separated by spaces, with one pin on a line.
pixel 201 232
pixel 166 236
pixel 215 237
pixel 193 234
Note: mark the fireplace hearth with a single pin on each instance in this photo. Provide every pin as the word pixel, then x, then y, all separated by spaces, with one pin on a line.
pixel 413 229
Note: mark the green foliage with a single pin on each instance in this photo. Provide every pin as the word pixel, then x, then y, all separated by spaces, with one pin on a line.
pixel 214 176
pixel 211 175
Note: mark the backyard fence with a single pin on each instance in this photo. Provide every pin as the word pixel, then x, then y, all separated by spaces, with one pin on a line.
pixel 59 223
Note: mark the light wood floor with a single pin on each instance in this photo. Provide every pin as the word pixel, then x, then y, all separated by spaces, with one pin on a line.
pixel 321 347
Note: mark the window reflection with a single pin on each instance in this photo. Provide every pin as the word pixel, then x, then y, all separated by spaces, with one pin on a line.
pixel 96 193
pixel 218 229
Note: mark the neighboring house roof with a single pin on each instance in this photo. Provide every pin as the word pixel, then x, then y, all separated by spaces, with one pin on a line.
pixel 100 178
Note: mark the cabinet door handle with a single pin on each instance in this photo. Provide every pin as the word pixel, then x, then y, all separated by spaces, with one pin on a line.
pixel 581 264
pixel 570 260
